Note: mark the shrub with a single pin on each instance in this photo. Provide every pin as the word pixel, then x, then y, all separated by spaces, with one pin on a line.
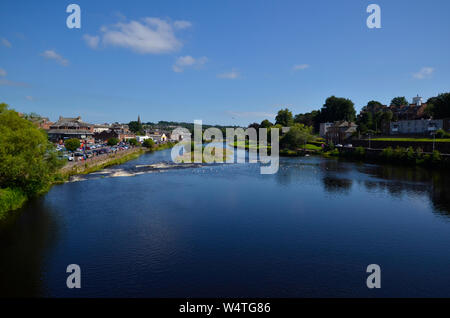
pixel 419 156
pixel 133 142
pixel 441 133
pixel 410 154
pixel 387 154
pixel 436 157
pixel 10 199
pixel 334 152
pixel 360 152
pixel 149 143
pixel 113 141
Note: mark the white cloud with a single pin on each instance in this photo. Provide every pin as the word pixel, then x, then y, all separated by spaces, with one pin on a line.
pixel 2 72
pixel 250 114
pixel 91 41
pixel 182 24
pixel 425 72
pixel 234 74
pixel 151 36
pixel 52 55
pixel 6 43
pixel 299 67
pixel 188 61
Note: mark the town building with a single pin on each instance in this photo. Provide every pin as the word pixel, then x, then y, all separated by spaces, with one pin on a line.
pixel 157 137
pixel 179 134
pixel 416 127
pixel 324 129
pixel 100 128
pixel 340 131
pixel 416 110
pixel 67 127
pixel 122 135
pixel 142 138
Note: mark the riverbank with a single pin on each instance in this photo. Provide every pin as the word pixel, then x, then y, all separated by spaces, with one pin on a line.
pixel 13 199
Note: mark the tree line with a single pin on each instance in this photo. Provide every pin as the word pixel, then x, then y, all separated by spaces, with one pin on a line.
pixel 372 117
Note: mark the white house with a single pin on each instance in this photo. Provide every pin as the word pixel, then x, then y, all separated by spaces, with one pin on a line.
pixel 158 137
pixel 142 138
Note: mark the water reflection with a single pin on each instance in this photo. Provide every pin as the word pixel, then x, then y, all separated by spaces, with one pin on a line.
pixel 401 180
pixel 397 181
pixel 337 185
pixel 24 242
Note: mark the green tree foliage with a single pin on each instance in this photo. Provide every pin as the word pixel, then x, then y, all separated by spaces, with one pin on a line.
pixel 284 118
pixel 266 124
pixel 337 108
pixel 312 118
pixel 374 116
pixel 113 141
pixel 136 127
pixel 399 101
pixel 149 143
pixel 72 144
pixel 133 142
pixel 439 106
pixel 297 136
pixel 27 160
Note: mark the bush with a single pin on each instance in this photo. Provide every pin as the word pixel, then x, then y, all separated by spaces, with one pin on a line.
pixel 441 133
pixel 113 141
pixel 149 143
pixel 387 154
pixel 10 199
pixel 410 154
pixel 436 157
pixel 133 142
pixel 360 152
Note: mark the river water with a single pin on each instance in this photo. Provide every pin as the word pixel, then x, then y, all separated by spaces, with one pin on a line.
pixel 145 230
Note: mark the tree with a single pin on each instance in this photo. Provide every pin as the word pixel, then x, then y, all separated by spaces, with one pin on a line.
pixel 113 141
pixel 136 127
pixel 266 124
pixel 72 144
pixel 133 142
pixel 365 121
pixel 28 161
pixel 440 106
pixel 399 101
pixel 309 119
pixel 149 143
pixel 284 118
pixel 338 108
pixel 297 136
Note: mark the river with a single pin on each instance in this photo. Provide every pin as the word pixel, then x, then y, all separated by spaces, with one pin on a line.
pixel 226 230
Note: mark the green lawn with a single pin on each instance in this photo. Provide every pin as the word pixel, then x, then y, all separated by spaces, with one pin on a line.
pixel 245 144
pixel 311 147
pixel 412 139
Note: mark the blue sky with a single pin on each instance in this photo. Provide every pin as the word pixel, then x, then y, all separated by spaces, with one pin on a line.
pixel 225 62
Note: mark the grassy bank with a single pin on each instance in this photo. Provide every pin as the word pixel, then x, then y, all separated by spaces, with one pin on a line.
pixel 10 200
pixel 398 156
pixel 112 162
pixel 13 199
pixel 246 145
pixel 63 177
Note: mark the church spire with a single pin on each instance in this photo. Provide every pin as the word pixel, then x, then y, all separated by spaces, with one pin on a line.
pixel 139 119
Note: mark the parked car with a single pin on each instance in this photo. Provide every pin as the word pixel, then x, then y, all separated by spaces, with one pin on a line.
pixel 339 145
pixel 349 145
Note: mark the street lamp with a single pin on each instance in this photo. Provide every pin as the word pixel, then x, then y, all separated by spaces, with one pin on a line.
pixel 434 138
